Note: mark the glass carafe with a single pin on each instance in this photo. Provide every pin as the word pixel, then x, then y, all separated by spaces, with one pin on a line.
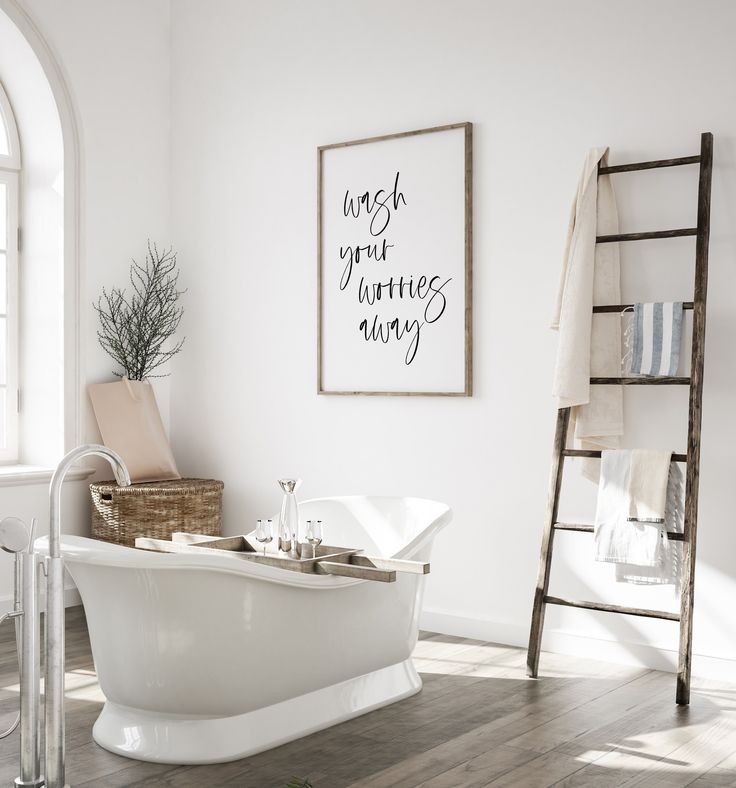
pixel 289 519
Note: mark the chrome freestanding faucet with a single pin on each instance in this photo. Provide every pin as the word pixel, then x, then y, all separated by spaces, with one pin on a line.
pixel 17 538
pixel 54 674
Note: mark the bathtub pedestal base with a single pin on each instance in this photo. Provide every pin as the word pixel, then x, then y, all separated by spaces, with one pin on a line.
pixel 161 738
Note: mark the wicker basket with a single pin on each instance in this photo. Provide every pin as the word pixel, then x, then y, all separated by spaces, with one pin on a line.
pixel 155 509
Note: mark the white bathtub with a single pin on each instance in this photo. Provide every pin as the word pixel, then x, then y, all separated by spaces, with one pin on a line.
pixel 205 658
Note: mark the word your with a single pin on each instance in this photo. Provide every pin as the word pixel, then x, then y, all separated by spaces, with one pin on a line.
pixel 353 254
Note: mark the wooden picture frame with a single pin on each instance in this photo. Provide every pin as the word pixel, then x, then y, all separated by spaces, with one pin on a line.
pixel 459 325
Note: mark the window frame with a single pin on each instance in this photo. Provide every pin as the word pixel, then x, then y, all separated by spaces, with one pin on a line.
pixel 10 176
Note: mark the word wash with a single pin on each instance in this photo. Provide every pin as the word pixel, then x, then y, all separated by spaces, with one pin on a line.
pixel 367 274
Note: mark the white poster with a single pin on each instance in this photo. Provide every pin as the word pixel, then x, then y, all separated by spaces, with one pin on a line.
pixel 395 264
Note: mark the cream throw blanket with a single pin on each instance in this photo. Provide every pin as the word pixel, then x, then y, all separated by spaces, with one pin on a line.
pixel 590 346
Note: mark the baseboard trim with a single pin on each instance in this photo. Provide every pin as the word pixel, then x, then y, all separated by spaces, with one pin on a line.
pixel 561 642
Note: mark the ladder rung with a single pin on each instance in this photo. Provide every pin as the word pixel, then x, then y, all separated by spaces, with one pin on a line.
pixel 641 380
pixel 593 453
pixel 607 239
pixel 649 165
pixel 631 611
pixel 673 536
pixel 620 307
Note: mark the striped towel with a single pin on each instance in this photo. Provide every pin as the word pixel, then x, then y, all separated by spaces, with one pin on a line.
pixel 655 340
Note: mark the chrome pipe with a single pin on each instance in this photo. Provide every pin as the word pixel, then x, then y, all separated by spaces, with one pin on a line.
pixel 16 614
pixel 15 537
pixel 54 686
pixel 54 668
pixel 30 674
pixel 14 540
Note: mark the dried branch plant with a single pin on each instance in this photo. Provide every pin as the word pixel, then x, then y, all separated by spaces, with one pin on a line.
pixel 137 331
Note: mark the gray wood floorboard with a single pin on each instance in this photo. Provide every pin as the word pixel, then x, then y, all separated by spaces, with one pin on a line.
pixel 477 722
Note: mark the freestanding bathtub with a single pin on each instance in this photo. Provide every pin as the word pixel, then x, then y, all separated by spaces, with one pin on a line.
pixel 205 658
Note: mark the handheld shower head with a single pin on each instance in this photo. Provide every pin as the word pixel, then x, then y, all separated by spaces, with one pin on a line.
pixel 14 535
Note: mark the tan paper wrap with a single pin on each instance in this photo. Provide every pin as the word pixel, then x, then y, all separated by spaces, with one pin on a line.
pixel 130 423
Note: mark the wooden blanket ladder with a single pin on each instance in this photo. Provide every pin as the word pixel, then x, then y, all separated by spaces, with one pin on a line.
pixel 542 597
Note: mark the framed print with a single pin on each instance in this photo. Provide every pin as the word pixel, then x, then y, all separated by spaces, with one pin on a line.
pixel 395 264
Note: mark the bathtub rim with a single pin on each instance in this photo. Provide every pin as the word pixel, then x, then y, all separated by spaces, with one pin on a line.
pixel 85 550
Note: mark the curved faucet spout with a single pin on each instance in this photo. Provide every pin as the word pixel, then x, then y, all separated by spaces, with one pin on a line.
pixel 121 475
pixel 54 686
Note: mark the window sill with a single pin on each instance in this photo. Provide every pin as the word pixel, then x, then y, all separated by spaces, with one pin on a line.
pixel 15 475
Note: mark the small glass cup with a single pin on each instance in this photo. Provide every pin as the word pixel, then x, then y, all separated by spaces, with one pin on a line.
pixel 314 535
pixel 264 533
pixel 308 530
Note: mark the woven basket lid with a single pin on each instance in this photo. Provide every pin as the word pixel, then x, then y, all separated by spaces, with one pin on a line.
pixel 169 487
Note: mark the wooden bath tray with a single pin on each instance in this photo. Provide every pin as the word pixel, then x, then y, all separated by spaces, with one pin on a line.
pixel 340 561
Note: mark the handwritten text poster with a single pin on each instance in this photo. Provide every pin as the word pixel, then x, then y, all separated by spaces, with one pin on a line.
pixel 394 271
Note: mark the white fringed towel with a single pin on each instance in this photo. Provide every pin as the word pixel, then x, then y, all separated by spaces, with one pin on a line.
pixel 617 540
pixel 668 572
pixel 641 550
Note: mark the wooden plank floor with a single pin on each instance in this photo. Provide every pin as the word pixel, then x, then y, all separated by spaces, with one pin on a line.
pixel 477 722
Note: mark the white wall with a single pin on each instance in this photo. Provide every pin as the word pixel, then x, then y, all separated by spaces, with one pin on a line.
pixel 257 86
pixel 115 56
pixel 116 59
pixel 254 88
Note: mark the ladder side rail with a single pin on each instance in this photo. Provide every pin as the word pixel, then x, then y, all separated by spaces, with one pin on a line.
pixel 545 557
pixel 694 422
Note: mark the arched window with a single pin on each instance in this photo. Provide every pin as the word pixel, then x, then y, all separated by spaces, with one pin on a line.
pixel 9 171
